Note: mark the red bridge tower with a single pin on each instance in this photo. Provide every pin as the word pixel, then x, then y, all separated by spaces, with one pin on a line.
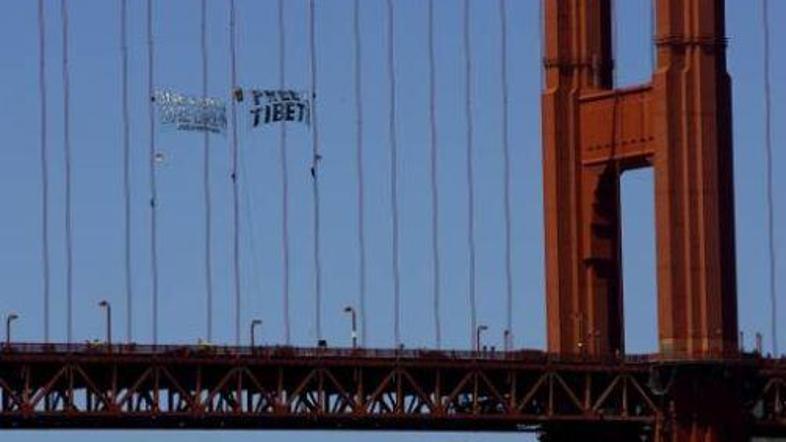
pixel 679 124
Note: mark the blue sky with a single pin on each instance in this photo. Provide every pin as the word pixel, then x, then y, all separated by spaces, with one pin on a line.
pixel 97 175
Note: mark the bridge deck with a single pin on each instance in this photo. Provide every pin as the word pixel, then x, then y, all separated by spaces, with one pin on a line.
pixel 135 386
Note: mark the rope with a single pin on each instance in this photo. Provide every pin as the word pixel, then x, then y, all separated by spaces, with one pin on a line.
pixel 315 172
pixel 653 31
pixel 284 176
pixel 360 176
pixel 614 42
pixel 44 167
pixel 152 165
pixel 542 43
pixel 768 163
pixel 470 172
pixel 506 173
pixel 394 174
pixel 67 152
pixel 435 258
pixel 126 169
pixel 235 199
pixel 249 217
pixel 252 277
pixel 206 184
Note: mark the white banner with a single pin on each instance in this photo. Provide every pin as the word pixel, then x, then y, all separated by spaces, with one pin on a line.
pixel 190 113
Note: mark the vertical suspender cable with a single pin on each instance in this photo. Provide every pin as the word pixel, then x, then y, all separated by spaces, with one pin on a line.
pixel 126 169
pixel 653 49
pixel 394 172
pixel 614 43
pixel 44 166
pixel 235 200
pixel 360 176
pixel 768 162
pixel 206 185
pixel 434 184
pixel 506 167
pixel 284 175
pixel 542 43
pixel 248 217
pixel 470 172
pixel 152 165
pixel 315 170
pixel 67 153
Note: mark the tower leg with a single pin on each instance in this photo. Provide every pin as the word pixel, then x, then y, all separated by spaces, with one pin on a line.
pixel 704 406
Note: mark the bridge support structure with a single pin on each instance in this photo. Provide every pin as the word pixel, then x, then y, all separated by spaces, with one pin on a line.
pixel 698 388
pixel 679 124
pixel 566 398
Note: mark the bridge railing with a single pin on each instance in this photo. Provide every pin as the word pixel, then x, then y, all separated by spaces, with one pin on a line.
pixel 286 352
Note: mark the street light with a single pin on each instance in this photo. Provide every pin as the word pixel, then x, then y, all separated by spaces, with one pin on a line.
pixel 481 328
pixel 11 317
pixel 254 324
pixel 506 339
pixel 349 309
pixel 105 304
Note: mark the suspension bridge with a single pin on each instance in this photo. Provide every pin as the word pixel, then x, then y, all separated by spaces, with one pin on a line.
pixel 701 384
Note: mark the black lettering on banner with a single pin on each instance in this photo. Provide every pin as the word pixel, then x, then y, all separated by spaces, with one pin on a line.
pixel 278 111
pixel 272 106
pixel 290 114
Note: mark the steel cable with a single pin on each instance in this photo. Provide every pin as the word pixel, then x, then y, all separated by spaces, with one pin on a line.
pixel 234 177
pixel 470 170
pixel 542 42
pixel 45 261
pixel 284 176
pixel 614 44
pixel 315 171
pixel 506 167
pixel 653 32
pixel 435 258
pixel 394 203
pixel 152 166
pixel 67 166
pixel 768 176
pixel 126 169
pixel 249 216
pixel 206 183
pixel 361 232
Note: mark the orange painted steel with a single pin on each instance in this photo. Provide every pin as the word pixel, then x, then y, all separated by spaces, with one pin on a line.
pixel 73 386
pixel 698 388
pixel 568 397
pixel 679 124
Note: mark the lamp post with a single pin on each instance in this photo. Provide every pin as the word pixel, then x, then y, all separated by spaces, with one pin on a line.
pixel 254 324
pixel 351 311
pixel 506 339
pixel 481 328
pixel 105 304
pixel 11 317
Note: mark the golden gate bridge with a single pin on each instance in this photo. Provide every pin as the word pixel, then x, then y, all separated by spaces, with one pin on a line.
pixel 701 385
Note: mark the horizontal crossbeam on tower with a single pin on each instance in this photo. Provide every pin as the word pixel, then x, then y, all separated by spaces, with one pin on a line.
pixel 95 386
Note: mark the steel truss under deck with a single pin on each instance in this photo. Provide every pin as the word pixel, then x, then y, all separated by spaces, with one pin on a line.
pixel 83 386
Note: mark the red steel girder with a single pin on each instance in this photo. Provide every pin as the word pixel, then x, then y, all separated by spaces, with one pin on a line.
pixel 75 386
pixel 190 387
